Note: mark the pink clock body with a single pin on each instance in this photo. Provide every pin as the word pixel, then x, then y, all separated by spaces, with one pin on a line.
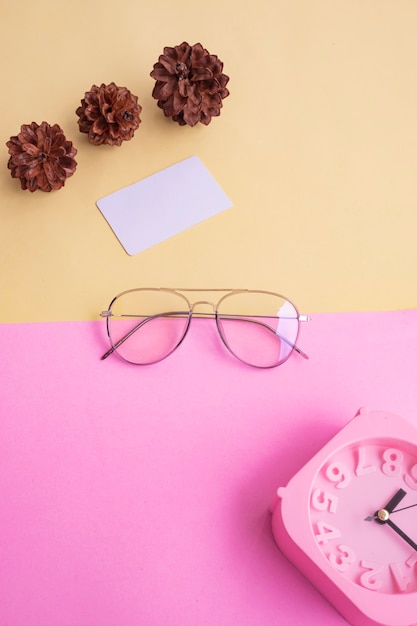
pixel 331 521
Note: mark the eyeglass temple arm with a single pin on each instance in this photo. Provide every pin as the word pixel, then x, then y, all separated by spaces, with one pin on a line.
pixel 274 332
pixel 122 339
pixel 302 318
pixel 300 352
pixel 148 319
pixel 108 314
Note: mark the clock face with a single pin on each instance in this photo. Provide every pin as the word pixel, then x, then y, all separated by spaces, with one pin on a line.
pixel 363 514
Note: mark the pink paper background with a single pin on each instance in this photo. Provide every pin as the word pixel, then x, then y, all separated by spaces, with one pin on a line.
pixel 139 496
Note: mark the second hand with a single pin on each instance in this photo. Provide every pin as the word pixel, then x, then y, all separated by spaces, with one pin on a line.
pixel 403 509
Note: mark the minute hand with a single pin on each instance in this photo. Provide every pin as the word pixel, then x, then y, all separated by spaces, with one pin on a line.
pixel 401 533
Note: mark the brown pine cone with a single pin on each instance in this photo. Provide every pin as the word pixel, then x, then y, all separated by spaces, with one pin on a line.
pixel 189 84
pixel 41 157
pixel 109 114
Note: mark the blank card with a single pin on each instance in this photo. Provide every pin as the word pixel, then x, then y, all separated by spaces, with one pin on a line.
pixel 162 205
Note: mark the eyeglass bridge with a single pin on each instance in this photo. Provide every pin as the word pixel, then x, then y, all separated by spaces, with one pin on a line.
pixel 211 313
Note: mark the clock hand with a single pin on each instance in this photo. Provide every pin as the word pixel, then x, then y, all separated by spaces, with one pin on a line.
pixel 383 516
pixel 390 506
pixel 395 501
pixel 404 508
pixel 398 531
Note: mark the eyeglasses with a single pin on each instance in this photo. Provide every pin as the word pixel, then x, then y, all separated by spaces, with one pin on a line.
pixel 259 328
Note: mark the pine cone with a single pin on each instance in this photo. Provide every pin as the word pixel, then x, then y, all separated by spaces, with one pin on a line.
pixel 41 157
pixel 189 85
pixel 109 114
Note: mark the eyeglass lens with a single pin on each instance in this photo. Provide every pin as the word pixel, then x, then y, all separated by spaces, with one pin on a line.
pixel 146 325
pixel 258 328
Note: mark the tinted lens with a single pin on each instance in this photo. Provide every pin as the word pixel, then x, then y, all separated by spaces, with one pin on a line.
pixel 258 328
pixel 146 325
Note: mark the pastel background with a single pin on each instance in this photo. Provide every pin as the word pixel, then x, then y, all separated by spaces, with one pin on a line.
pixel 315 146
pixel 139 496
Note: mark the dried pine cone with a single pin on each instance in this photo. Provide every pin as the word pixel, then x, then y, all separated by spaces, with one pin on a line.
pixel 109 114
pixel 189 85
pixel 41 157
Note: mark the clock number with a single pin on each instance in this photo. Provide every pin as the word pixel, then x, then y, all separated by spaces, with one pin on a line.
pixel 402 577
pixel 412 560
pixel 324 501
pixel 369 579
pixel 362 468
pixel 393 459
pixel 326 533
pixel 343 559
pixel 339 474
pixel 411 480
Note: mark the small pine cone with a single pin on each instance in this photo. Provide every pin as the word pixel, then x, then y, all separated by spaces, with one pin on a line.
pixel 109 114
pixel 41 157
pixel 189 84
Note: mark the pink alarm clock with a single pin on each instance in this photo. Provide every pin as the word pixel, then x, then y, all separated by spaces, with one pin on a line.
pixel 348 520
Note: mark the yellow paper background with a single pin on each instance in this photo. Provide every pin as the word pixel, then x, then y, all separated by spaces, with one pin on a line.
pixel 316 146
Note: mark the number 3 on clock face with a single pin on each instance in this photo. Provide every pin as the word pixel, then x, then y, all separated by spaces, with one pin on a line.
pixel 348 520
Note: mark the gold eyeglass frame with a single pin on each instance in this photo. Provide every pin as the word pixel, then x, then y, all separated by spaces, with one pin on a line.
pixel 191 312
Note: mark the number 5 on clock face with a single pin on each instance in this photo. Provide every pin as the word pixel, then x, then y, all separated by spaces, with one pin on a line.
pixel 348 520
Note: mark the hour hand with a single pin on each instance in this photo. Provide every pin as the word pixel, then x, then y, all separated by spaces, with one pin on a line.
pixel 383 514
pixel 395 501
